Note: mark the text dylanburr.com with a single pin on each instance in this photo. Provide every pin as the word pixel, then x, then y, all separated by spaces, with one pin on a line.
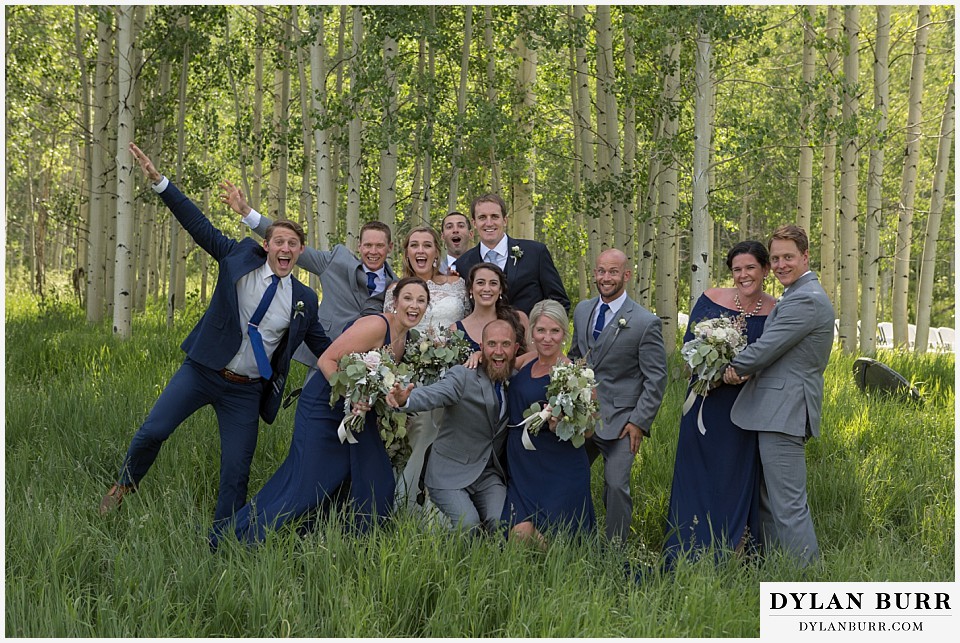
pixel 859 610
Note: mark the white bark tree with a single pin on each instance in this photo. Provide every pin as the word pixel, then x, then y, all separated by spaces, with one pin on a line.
pixel 871 237
pixel 928 264
pixel 849 172
pixel 908 184
pixel 702 135
pixel 123 281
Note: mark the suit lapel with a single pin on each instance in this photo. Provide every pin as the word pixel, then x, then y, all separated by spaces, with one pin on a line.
pixel 489 399
pixel 609 334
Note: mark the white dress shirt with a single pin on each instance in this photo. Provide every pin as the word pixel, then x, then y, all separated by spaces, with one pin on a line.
pixel 501 249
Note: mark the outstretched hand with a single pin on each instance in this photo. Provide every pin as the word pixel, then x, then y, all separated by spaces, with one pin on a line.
pixel 398 395
pixel 233 197
pixel 146 165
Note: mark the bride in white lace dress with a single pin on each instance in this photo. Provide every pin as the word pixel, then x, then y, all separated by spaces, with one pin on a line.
pixel 448 305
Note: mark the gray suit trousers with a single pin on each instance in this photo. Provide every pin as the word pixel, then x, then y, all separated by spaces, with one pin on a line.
pixel 617 467
pixel 476 507
pixel 785 516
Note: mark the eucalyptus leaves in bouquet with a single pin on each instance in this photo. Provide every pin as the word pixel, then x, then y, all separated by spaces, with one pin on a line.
pixel 715 343
pixel 432 353
pixel 365 377
pixel 570 399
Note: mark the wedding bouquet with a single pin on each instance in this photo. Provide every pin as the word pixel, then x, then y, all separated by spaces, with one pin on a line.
pixel 367 377
pixel 431 354
pixel 570 399
pixel 715 343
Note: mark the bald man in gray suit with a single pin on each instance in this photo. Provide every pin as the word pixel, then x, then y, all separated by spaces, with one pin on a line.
pixel 464 473
pixel 783 395
pixel 621 340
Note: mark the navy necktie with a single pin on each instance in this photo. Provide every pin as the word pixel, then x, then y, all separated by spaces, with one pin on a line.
pixel 600 320
pixel 256 340
pixel 371 282
pixel 498 387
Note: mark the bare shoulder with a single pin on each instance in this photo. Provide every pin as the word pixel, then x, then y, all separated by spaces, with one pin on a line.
pixel 721 296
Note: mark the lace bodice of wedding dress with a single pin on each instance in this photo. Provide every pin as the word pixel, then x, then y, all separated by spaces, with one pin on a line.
pixel 448 304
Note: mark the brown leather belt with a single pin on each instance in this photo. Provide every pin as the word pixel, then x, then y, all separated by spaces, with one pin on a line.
pixel 230 376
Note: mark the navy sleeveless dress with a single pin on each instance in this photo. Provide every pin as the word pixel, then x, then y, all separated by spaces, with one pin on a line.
pixel 474 346
pixel 318 464
pixel 549 486
pixel 715 498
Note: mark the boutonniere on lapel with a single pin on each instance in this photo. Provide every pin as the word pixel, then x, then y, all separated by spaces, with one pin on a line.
pixel 621 324
pixel 516 253
pixel 298 310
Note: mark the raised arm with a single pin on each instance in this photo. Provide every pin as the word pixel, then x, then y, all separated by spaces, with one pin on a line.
pixel 208 237
pixel 364 335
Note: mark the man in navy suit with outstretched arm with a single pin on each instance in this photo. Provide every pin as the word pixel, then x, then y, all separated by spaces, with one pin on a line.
pixel 238 354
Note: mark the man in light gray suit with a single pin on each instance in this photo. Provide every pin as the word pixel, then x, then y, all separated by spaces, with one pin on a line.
pixel 351 286
pixel 464 474
pixel 623 343
pixel 783 396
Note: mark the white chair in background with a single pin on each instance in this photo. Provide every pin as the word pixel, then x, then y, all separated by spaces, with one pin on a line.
pixel 885 335
pixel 946 338
pixel 911 335
pixel 682 320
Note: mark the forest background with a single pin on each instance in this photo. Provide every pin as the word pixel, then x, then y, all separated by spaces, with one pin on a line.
pixel 670 132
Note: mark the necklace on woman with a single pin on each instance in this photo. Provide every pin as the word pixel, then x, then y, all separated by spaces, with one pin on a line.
pixel 756 310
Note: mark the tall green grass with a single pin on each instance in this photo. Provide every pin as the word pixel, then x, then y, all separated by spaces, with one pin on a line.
pixel 881 482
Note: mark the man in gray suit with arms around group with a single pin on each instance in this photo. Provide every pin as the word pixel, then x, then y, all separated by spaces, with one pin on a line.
pixel 351 286
pixel 623 344
pixel 464 473
pixel 783 395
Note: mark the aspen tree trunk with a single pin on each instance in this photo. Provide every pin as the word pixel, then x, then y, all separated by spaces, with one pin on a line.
pixel 700 238
pixel 281 123
pixel 177 272
pixel 326 195
pixel 242 149
pixel 96 268
pixel 743 232
pixel 306 136
pixel 667 276
pixel 83 231
pixel 419 143
pixel 630 152
pixel 522 215
pixel 586 145
pixel 908 185
pixel 828 213
pixel 928 263
pixel 805 173
pixel 353 176
pixel 110 218
pixel 874 221
pixel 849 173
pixel 336 148
pixel 495 180
pixel 612 132
pixel 428 135
pixel 453 196
pixel 583 288
pixel 605 151
pixel 254 194
pixel 648 235
pixel 387 212
pixel 123 283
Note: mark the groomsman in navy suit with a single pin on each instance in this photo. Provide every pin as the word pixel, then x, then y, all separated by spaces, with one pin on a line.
pixel 238 354
pixel 457 236
pixel 531 274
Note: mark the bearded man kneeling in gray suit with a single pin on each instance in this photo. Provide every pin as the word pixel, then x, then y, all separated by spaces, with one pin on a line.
pixel 464 473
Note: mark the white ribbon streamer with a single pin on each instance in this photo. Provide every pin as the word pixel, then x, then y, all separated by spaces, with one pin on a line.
pixel 345 434
pixel 527 442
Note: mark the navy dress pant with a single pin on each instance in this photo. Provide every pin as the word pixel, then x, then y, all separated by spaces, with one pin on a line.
pixel 237 407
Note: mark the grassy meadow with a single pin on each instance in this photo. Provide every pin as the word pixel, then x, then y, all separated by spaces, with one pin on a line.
pixel 881 482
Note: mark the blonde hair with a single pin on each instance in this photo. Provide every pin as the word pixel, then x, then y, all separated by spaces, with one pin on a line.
pixel 407 266
pixel 551 310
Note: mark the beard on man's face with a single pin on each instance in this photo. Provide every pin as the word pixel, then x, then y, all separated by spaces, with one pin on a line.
pixel 498 374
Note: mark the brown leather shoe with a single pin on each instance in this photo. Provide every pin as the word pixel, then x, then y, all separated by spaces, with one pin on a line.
pixel 114 497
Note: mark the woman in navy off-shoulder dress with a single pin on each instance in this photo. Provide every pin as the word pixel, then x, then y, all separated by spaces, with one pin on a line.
pixel 548 489
pixel 318 462
pixel 715 496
